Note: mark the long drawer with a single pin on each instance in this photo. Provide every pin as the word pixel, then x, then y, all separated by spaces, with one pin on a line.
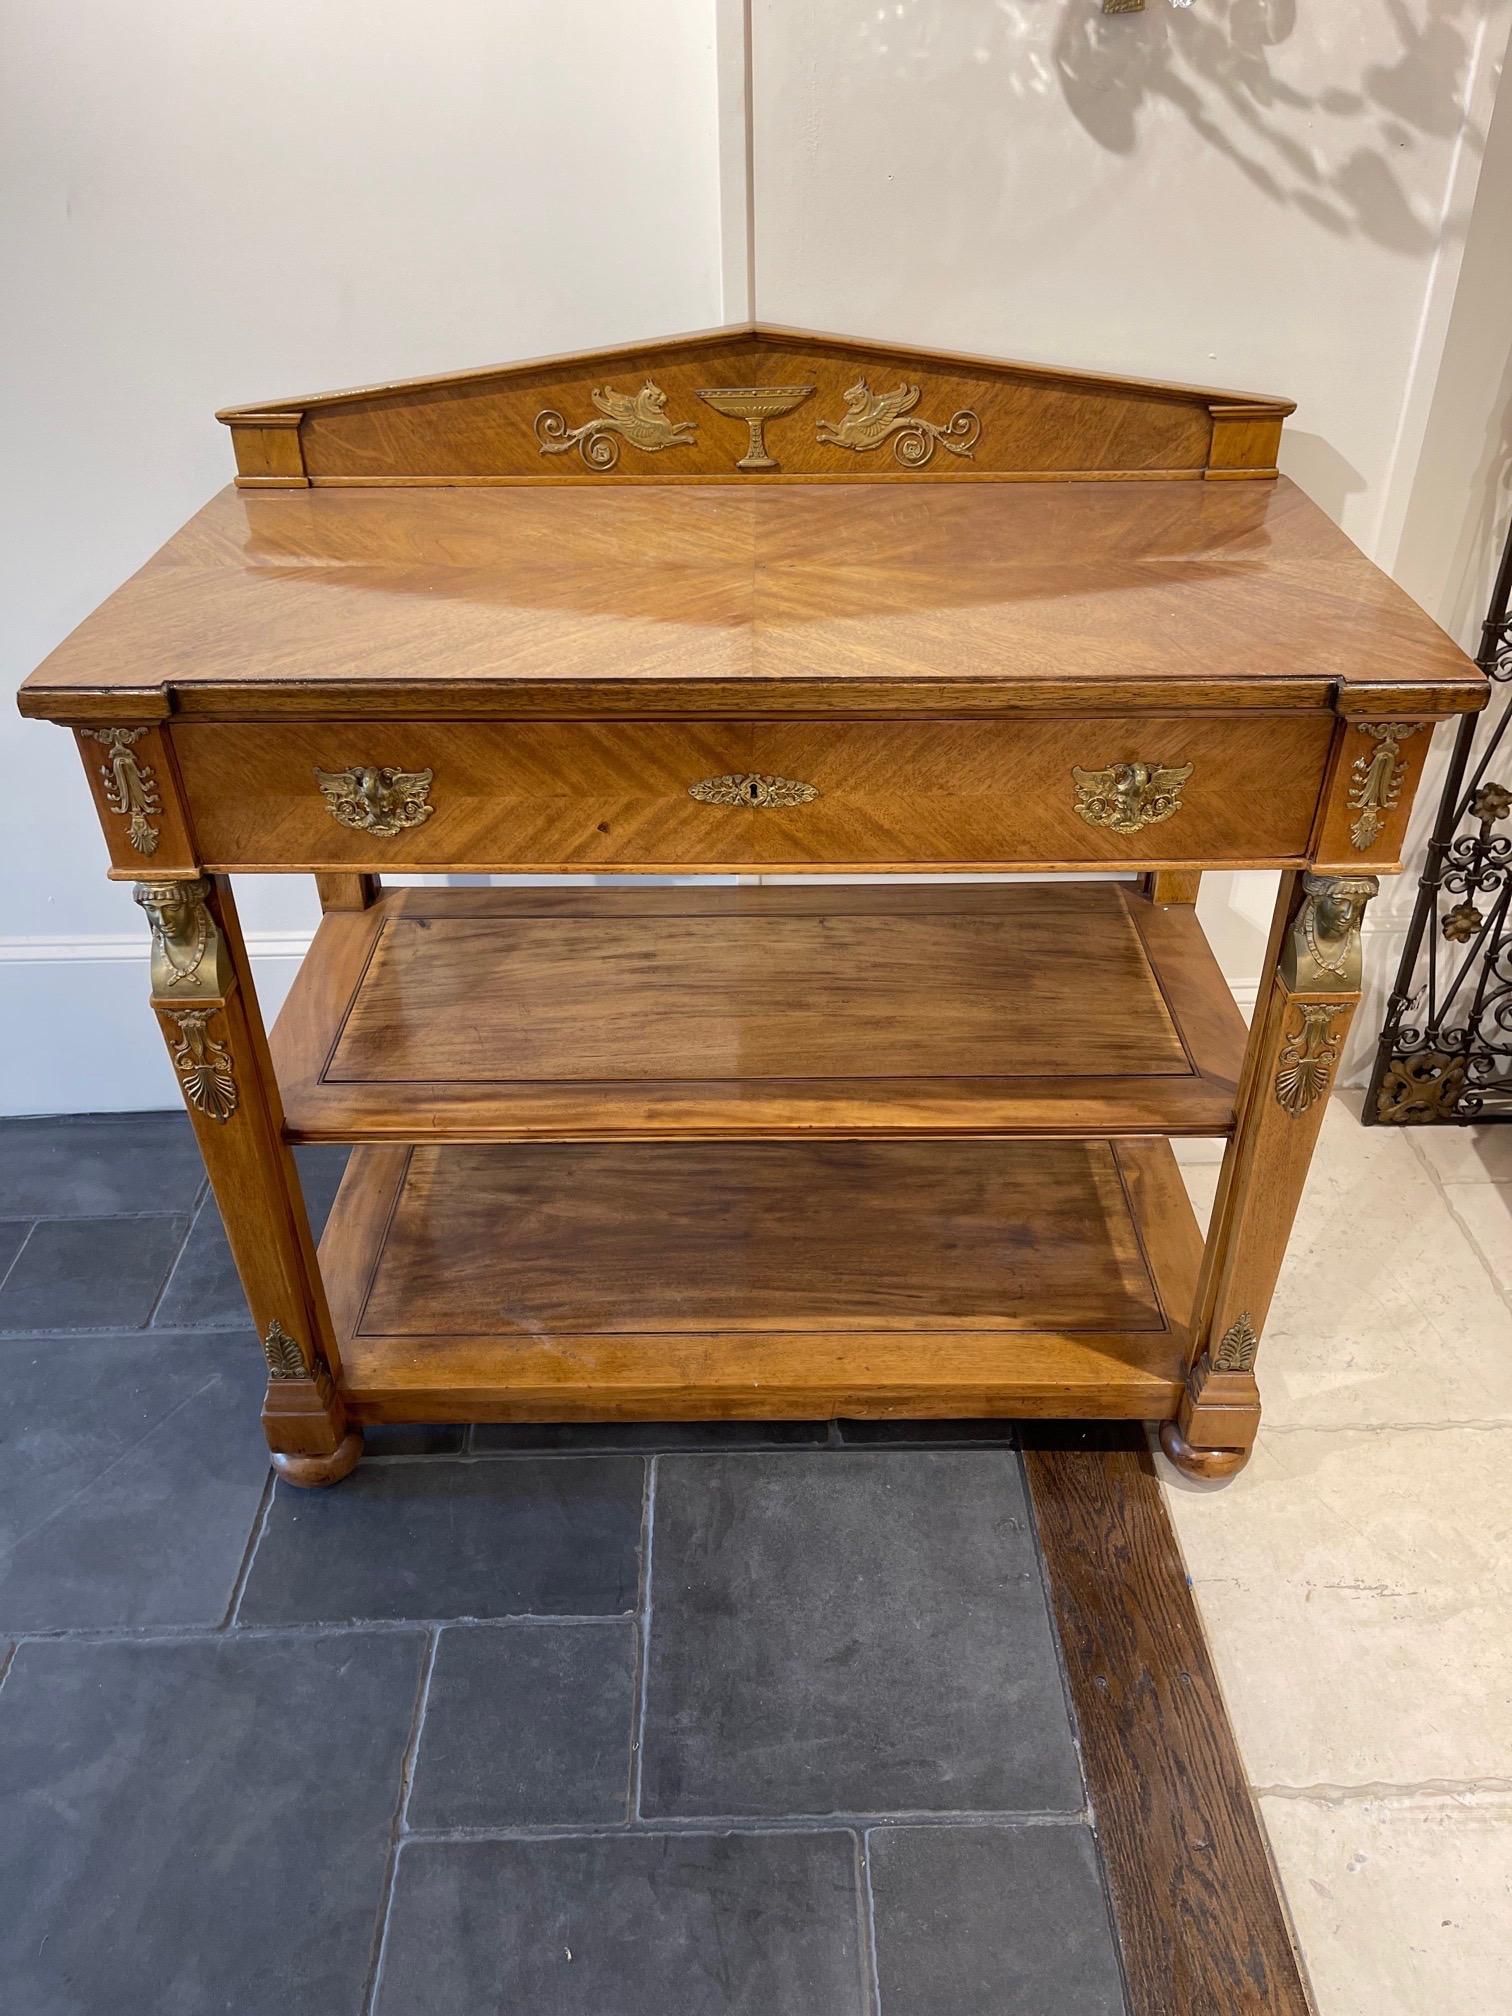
pixel 720 795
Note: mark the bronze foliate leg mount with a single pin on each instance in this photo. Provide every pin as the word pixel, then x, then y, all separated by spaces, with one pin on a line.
pixel 203 996
pixel 1294 1052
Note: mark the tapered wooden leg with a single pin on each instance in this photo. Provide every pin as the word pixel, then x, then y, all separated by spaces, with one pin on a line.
pixel 1294 1048
pixel 203 997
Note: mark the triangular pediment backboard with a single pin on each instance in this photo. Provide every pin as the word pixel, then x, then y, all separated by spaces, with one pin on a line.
pixel 756 404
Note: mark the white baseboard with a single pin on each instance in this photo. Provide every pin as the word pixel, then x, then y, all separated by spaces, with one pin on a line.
pixel 79 1038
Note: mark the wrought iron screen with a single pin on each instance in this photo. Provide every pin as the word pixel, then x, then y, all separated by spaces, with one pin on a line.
pixel 1445 1054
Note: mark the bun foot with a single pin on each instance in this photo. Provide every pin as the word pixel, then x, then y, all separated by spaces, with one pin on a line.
pixel 1211 1466
pixel 313 1470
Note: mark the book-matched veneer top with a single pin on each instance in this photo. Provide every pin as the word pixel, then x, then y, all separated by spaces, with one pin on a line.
pixel 509 542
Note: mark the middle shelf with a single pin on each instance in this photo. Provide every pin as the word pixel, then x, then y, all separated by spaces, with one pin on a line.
pixel 758 1014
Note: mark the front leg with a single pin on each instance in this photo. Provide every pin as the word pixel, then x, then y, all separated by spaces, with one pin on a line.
pixel 1289 1067
pixel 202 995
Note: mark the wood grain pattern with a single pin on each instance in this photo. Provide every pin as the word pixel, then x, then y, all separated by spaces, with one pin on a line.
pixel 786 1281
pixel 1172 887
pixel 347 892
pixel 256 1185
pixel 751 1013
pixel 1200 1926
pixel 483 426
pixel 925 599
pixel 616 795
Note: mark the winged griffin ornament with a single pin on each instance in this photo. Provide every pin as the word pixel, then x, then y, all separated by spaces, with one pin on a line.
pixel 637 417
pixel 873 417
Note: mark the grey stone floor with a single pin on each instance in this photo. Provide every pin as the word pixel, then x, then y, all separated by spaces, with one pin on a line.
pixel 596 1722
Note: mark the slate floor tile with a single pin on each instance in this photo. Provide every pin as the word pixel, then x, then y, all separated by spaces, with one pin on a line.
pixel 658 1925
pixel 992 1921
pixel 550 1536
pixel 205 1292
pixel 94 1166
pixel 850 1632
pixel 527 1724
pixel 412 1438
pixel 200 1826
pixel 12 1238
pixel 131 1470
pixel 492 1438
pixel 90 1273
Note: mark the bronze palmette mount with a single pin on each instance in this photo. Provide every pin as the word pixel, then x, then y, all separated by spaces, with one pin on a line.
pixel 1308 1057
pixel 1238 1347
pixel 285 1359
pixel 131 789
pixel 1376 780
pixel 204 1065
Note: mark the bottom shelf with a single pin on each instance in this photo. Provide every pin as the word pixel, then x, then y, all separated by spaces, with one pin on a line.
pixel 691 1281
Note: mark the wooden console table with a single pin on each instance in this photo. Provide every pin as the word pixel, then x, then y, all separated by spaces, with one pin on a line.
pixel 757 602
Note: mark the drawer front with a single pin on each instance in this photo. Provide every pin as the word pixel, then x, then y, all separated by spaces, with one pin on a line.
pixel 723 795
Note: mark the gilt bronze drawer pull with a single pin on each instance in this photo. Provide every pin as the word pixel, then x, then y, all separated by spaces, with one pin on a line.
pixel 1128 796
pixel 751 788
pixel 373 798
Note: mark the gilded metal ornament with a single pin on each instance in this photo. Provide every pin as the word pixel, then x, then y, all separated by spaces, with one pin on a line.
pixel 187 953
pixel 1376 780
pixel 1129 796
pixel 874 417
pixel 374 798
pixel 752 788
pixel 285 1359
pixel 1238 1346
pixel 1308 1057
pixel 130 785
pixel 756 404
pixel 1423 1087
pixel 1461 924
pixel 1489 803
pixel 637 417
pixel 1322 953
pixel 204 1066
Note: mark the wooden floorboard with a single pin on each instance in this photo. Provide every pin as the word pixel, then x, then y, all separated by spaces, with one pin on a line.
pixel 1200 1925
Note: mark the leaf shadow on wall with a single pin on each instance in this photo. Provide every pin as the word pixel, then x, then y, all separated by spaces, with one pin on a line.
pixel 1216 64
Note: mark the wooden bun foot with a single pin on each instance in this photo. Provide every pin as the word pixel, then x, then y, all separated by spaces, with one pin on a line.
pixel 314 1470
pixel 1211 1466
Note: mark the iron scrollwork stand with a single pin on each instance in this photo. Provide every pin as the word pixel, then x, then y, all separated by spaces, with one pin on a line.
pixel 1445 1053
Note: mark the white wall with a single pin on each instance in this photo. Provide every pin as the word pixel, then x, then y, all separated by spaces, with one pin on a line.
pixel 1272 198
pixel 204 204
pixel 211 204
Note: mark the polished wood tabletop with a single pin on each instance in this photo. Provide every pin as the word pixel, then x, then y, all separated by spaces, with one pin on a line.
pixel 854 597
